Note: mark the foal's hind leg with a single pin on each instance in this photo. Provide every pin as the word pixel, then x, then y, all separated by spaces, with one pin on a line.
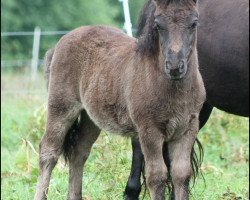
pixel 88 133
pixel 133 187
pixel 61 116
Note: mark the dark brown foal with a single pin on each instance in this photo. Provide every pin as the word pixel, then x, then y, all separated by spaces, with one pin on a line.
pixel 148 88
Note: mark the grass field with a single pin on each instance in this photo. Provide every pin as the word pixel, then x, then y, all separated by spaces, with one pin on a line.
pixel 225 139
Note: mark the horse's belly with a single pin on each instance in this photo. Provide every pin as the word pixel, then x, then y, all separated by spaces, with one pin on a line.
pixel 111 118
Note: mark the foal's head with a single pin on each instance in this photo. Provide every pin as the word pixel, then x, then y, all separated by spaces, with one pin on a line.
pixel 170 30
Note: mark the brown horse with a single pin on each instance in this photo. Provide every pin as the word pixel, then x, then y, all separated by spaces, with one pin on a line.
pixel 148 88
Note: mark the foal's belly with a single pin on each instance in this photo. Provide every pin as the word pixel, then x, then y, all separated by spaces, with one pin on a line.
pixel 111 118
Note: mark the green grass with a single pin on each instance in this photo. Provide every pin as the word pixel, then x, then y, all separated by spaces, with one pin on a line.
pixel 224 138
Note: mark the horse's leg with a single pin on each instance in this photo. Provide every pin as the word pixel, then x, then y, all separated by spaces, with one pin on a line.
pixel 88 133
pixel 204 114
pixel 166 156
pixel 180 161
pixel 133 187
pixel 203 117
pixel 151 140
pixel 61 116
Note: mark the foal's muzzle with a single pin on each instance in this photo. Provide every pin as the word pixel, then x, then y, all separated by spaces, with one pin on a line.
pixel 176 72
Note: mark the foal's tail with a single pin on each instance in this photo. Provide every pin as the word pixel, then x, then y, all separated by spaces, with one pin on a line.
pixel 71 137
pixel 47 62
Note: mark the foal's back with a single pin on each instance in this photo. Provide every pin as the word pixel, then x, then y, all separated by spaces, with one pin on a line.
pixel 84 53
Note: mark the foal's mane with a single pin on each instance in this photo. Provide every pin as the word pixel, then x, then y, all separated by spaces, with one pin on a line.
pixel 147 33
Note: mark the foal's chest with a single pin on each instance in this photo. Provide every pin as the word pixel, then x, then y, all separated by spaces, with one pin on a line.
pixel 170 111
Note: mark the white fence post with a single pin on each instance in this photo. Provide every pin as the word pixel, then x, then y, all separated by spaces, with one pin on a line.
pixel 127 24
pixel 35 52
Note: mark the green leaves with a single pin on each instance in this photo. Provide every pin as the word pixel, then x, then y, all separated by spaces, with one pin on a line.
pixel 24 15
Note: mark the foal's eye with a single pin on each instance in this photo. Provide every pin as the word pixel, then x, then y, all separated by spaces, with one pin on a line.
pixel 194 25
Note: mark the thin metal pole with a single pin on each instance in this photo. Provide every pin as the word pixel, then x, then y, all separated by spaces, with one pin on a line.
pixel 35 52
pixel 127 24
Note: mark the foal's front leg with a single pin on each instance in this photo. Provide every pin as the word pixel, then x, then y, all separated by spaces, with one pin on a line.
pixel 151 140
pixel 180 161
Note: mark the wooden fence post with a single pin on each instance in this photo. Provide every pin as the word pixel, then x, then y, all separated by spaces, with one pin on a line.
pixel 35 52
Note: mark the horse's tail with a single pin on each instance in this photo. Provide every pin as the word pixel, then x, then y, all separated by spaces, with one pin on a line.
pixel 47 62
pixel 71 137
pixel 72 134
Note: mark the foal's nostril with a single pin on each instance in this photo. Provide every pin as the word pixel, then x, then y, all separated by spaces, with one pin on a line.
pixel 175 72
pixel 181 66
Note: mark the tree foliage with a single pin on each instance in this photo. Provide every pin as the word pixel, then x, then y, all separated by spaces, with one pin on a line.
pixel 25 15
